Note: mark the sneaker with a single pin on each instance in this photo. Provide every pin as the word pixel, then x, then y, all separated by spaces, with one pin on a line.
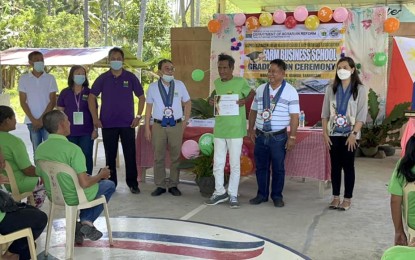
pixel 216 199
pixel 91 232
pixel 79 237
pixel 233 201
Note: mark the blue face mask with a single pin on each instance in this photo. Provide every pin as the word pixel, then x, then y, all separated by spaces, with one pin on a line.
pixel 39 66
pixel 116 64
pixel 79 79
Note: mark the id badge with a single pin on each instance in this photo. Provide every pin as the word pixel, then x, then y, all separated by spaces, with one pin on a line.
pixel 78 118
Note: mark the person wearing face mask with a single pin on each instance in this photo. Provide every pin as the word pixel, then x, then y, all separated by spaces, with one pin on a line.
pixel 73 101
pixel 343 114
pixel 117 119
pixel 37 94
pixel 164 101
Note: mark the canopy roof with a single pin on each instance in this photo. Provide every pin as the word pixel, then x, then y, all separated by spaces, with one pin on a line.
pixel 96 57
pixel 256 6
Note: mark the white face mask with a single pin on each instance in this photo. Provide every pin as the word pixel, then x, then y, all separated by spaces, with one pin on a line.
pixel 167 78
pixel 344 74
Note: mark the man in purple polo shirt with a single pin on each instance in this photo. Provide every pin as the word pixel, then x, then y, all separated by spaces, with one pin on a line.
pixel 117 118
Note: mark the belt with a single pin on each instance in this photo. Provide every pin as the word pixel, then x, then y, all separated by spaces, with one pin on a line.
pixel 282 131
pixel 159 121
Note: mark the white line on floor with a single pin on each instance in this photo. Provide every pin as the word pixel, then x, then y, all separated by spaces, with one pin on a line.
pixel 193 212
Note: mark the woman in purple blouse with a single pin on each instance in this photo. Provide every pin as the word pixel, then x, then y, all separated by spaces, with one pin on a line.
pixel 73 100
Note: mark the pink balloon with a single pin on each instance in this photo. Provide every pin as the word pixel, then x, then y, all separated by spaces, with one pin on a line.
pixel 340 14
pixel 239 19
pixel 300 13
pixel 190 149
pixel 279 16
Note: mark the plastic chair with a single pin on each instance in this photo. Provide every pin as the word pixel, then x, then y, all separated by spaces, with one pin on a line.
pixel 409 187
pixel 26 232
pixel 16 195
pixel 52 170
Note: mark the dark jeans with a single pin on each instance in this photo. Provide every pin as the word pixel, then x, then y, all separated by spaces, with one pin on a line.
pixel 270 150
pixel 87 146
pixel 110 137
pixel 342 159
pixel 29 217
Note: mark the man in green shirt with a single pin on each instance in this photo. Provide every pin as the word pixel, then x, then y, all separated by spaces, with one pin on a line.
pixel 58 148
pixel 229 132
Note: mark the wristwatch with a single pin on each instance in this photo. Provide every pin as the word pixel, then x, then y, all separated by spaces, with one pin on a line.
pixel 139 116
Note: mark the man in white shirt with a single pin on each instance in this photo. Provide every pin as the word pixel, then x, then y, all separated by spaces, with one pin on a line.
pixel 37 93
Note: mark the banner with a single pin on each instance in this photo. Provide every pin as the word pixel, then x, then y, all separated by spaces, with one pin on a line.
pixel 311 56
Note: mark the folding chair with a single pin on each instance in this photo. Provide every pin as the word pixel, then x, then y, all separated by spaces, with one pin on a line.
pixel 52 170
pixel 16 195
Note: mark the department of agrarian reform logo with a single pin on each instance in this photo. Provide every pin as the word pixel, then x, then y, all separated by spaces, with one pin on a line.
pixel 157 238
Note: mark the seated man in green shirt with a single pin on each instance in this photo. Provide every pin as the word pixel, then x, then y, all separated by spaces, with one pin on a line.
pixel 57 148
pixel 14 151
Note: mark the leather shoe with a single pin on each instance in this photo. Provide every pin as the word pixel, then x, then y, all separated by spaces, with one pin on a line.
pixel 158 192
pixel 134 189
pixel 175 191
pixel 257 200
pixel 279 203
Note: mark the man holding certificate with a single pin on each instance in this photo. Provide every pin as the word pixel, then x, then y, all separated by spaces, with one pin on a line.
pixel 275 107
pixel 230 128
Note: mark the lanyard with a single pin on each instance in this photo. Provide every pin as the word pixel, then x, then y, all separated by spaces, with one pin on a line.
pixel 78 101
pixel 266 100
pixel 342 99
pixel 166 97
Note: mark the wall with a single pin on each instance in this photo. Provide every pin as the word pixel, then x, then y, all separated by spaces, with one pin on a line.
pixel 190 49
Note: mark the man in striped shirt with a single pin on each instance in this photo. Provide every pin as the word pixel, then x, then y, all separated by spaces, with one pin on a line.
pixel 275 107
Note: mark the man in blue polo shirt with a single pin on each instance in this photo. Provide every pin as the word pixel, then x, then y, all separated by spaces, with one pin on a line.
pixel 117 118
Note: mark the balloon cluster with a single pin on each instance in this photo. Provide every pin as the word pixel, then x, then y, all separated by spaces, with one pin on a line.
pixel 235 44
pixel 247 166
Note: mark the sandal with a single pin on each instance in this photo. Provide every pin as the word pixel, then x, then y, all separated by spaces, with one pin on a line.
pixel 345 205
pixel 335 203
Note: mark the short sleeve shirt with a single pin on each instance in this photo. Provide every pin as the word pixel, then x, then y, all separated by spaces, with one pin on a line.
pixel 14 151
pixel 37 92
pixel 117 103
pixel 288 103
pixel 69 101
pixel 57 148
pixel 231 126
pixel 395 187
pixel 180 95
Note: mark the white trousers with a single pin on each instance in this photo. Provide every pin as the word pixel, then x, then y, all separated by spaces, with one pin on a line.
pixel 221 148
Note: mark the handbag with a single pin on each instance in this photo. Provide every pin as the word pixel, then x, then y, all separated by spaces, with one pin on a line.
pixel 7 203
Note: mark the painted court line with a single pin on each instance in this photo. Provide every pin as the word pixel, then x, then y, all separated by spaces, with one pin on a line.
pixel 193 212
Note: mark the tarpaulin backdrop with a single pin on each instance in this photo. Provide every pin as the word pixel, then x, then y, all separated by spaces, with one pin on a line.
pixel 361 35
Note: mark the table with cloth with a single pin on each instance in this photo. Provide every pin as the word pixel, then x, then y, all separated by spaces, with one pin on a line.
pixel 310 157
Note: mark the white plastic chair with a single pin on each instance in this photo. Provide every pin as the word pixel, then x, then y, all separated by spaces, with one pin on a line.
pixel 5 241
pixel 409 187
pixel 99 140
pixel 52 170
pixel 16 195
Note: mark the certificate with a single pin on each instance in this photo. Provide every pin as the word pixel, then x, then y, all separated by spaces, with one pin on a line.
pixel 226 105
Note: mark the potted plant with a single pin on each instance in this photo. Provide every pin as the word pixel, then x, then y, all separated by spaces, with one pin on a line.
pixel 381 130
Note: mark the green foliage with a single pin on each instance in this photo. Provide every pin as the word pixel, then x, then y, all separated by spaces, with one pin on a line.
pixel 201 166
pixel 386 130
pixel 201 109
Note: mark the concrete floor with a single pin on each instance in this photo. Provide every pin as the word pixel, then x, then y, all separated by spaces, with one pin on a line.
pixel 305 224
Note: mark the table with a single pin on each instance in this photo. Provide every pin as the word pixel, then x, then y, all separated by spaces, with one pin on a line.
pixel 310 157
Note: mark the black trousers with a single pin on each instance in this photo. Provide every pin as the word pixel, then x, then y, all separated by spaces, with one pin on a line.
pixel 110 137
pixel 342 159
pixel 29 217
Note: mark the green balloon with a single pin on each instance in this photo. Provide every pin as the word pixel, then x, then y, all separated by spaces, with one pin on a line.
pixel 206 144
pixel 198 75
pixel 380 59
